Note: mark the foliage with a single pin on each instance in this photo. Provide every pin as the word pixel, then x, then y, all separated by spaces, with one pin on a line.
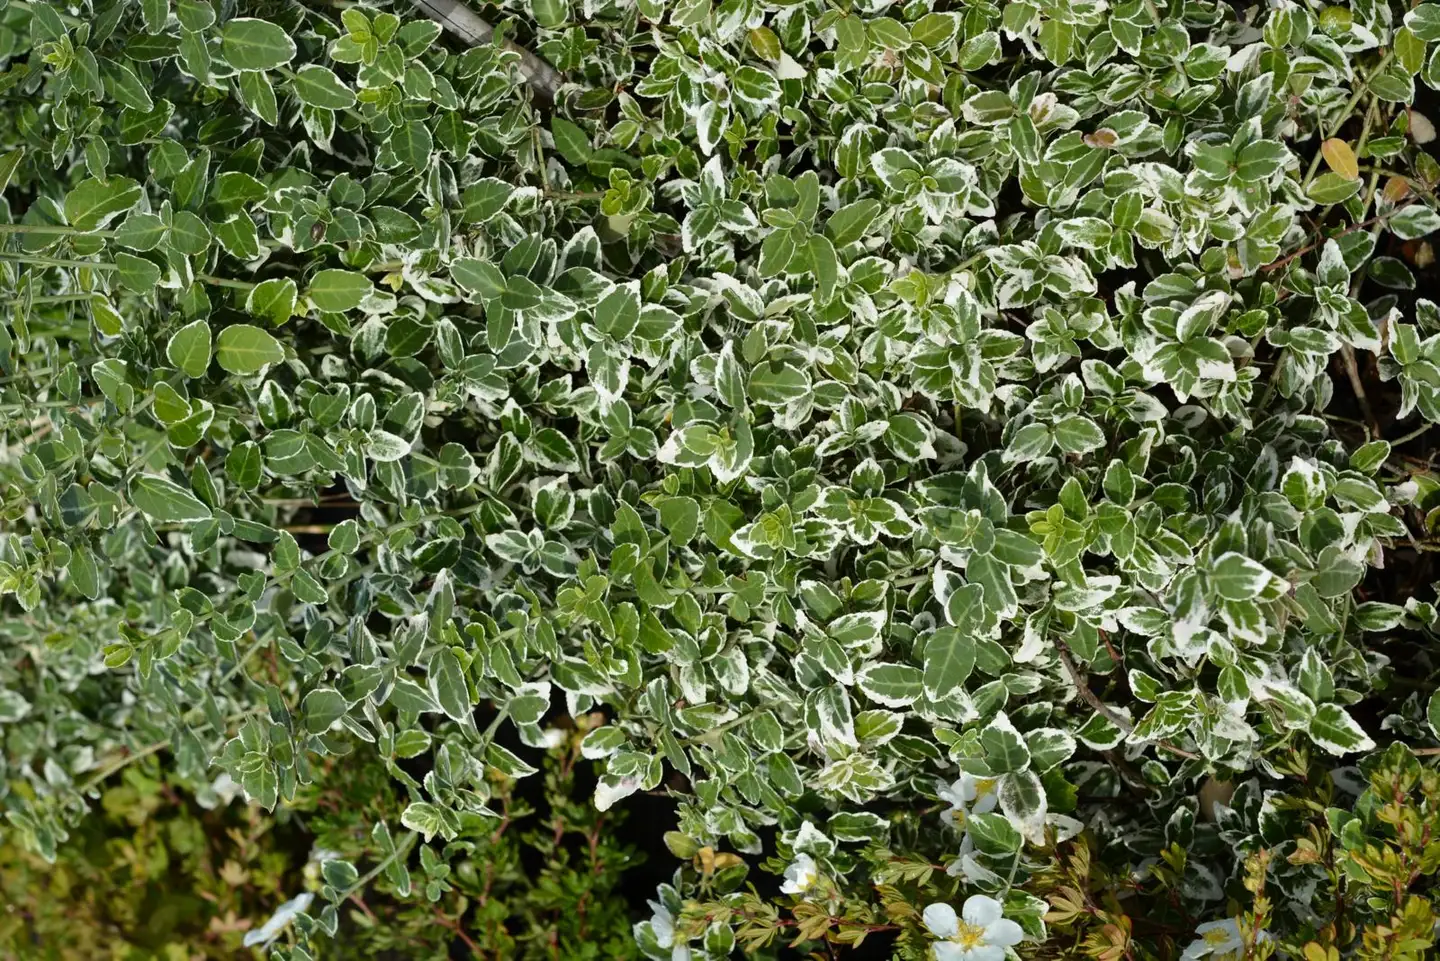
pixel 146 876
pixel 153 875
pixel 947 449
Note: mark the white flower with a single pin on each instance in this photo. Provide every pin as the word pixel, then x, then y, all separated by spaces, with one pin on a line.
pixel 967 867
pixel 1218 941
pixel 980 933
pixel 801 875
pixel 962 793
pixel 662 925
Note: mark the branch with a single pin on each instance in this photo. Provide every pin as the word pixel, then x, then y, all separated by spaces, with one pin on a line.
pixel 1277 264
pixel 1113 716
pixel 460 20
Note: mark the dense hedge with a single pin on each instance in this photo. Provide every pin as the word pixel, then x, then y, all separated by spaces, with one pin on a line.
pixel 969 459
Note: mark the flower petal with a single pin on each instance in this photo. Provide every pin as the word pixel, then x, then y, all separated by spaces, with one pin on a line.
pixel 950 951
pixel 966 787
pixel 940 920
pixel 981 911
pixel 986 952
pixel 1004 933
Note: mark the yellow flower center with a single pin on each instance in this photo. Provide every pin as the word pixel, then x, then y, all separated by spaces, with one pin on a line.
pixel 969 935
pixel 1217 936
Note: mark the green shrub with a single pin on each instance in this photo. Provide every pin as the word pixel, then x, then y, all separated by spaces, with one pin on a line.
pixel 970 459
pixel 153 875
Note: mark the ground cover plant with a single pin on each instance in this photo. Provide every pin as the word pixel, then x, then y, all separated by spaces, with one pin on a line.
pixel 962 470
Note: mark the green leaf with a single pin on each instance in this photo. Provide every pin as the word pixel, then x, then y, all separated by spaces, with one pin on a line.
pixel 980 50
pixel 484 199
pixel 318 86
pixel 340 875
pixel 1261 160
pixel 858 629
pixel 1005 749
pixel 272 300
pixel 338 290
pixel 243 464
pixel 136 273
pixel 777 383
pixel 478 277
pixel 262 785
pixel 125 88
pixel 1022 798
pixel 163 500
pixel 1331 188
pixel 934 30
pixel 1336 572
pixel 993 834
pixel 412 145
pixel 195 14
pixel 321 708
pixel 949 659
pixel 245 349
pixel 1077 434
pixel 8 164
pixel 252 44
pixel 618 312
pixel 571 141
pixel 257 93
pixel 189 348
pixel 1238 578
pixel 84 574
pixel 852 222
pixel 1424 21
pixel 140 231
pixel 825 267
pixel 1414 222
pixel 550 13
pixel 1368 458
pixel 1336 731
pixel 893 685
pixel 94 203
pixel 447 685
pixel 424 818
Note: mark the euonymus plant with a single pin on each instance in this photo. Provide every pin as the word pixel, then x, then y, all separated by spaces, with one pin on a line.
pixel 969 457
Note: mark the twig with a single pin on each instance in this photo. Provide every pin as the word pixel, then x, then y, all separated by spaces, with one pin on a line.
pixel 1412 435
pixel 715 732
pixel 1109 713
pixel 100 776
pixel 56 230
pixel 359 902
pixel 1343 116
pixel 1078 680
pixel 401 850
pixel 459 933
pixel 124 761
pixel 1352 372
pixel 1276 265
pixel 460 20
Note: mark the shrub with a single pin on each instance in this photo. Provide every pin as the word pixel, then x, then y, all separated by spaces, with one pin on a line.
pixel 154 875
pixel 971 459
